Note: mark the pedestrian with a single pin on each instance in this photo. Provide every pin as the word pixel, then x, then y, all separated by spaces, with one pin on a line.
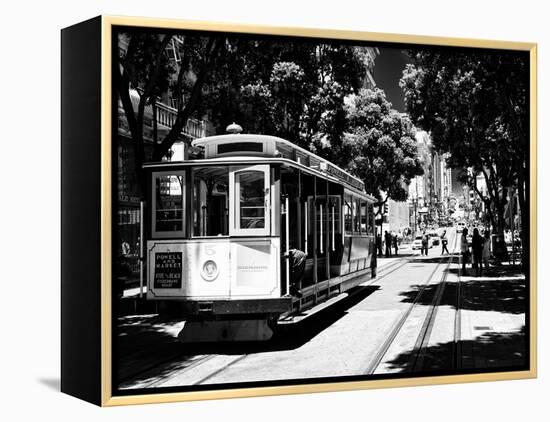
pixel 394 241
pixel 387 243
pixel 425 243
pixel 444 242
pixel 464 249
pixel 477 251
pixel 486 254
pixel 297 266
pixel 379 244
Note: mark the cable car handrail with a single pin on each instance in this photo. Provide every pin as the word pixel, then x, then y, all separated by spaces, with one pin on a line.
pixel 321 227
pixel 305 226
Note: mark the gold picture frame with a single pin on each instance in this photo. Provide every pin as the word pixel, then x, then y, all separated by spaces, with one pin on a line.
pixel 107 398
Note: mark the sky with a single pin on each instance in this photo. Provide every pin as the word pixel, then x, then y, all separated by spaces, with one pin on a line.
pixel 388 67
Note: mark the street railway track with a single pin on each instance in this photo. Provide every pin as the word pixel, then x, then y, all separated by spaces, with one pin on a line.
pixel 201 359
pixel 418 354
pixel 416 363
pixel 391 268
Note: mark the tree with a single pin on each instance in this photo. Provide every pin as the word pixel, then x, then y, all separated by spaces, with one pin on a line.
pixel 145 68
pixel 292 90
pixel 474 103
pixel 380 146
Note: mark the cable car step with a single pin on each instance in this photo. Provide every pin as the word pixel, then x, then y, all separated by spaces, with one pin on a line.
pixel 295 318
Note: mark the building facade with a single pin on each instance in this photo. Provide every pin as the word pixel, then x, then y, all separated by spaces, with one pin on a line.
pixel 158 119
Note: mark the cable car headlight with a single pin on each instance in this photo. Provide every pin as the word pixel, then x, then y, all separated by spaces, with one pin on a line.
pixel 209 270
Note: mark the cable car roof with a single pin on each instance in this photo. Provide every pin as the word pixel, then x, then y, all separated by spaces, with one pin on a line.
pixel 238 144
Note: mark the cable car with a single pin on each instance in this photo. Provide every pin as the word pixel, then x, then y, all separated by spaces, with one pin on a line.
pixel 223 232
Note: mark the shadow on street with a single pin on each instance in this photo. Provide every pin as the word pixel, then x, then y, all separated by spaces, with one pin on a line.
pixel 146 342
pixel 500 290
pixel 489 351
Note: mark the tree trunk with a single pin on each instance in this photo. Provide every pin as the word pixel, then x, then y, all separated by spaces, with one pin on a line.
pixel 161 149
pixel 524 211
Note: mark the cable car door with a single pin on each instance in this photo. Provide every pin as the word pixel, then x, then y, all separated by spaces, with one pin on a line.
pixel 254 255
pixel 249 201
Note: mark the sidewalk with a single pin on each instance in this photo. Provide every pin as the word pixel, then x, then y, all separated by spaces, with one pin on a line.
pixel 493 333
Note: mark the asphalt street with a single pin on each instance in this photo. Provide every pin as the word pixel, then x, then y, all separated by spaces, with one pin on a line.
pixel 420 315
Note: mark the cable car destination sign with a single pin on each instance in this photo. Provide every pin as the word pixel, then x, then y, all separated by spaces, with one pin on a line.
pixel 168 270
pixel 341 174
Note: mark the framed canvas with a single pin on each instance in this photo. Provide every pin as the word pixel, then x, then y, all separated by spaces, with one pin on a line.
pixel 264 210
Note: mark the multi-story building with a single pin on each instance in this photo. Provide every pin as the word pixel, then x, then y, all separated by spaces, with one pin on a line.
pixel 446 187
pixel 421 187
pixel 398 216
pixel 369 55
pixel 158 120
pixel 430 195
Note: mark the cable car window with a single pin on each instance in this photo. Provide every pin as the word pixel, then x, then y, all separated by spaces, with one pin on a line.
pixel 168 204
pixel 210 201
pixel 370 219
pixel 251 199
pixel 347 214
pixel 335 209
pixel 240 147
pixel 356 216
pixel 364 220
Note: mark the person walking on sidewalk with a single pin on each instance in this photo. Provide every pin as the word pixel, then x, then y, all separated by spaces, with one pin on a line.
pixel 464 249
pixel 387 242
pixel 425 243
pixel 477 251
pixel 394 242
pixel 379 244
pixel 444 242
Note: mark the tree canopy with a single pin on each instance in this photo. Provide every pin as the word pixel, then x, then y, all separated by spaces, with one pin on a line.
pixel 145 68
pixel 475 105
pixel 380 145
pixel 294 90
pixel 308 92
